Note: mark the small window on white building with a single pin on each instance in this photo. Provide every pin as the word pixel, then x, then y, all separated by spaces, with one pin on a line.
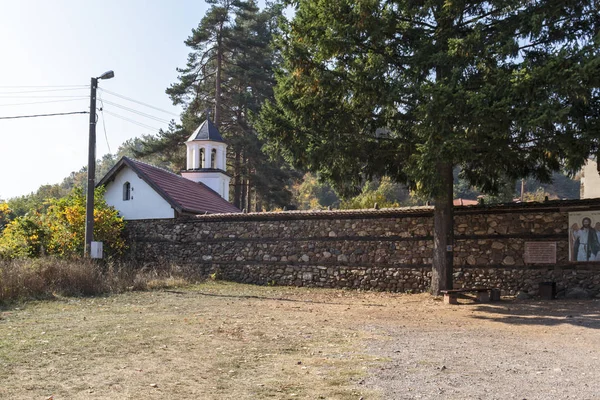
pixel 126 191
pixel 213 158
pixel 201 158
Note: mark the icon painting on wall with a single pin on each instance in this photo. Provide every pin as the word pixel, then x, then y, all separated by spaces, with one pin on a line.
pixel 584 236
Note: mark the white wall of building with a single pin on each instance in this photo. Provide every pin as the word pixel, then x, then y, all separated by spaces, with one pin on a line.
pixel 217 181
pixel 194 151
pixel 590 181
pixel 145 203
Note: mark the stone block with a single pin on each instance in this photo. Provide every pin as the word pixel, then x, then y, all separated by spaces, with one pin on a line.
pixel 483 297
pixel 450 298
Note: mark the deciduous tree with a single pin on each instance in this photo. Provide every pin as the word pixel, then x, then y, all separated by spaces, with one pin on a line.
pixel 6 215
pixel 60 229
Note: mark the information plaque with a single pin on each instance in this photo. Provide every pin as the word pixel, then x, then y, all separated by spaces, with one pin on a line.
pixel 540 253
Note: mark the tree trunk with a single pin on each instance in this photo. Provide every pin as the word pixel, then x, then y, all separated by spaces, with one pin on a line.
pixel 244 195
pixel 257 202
pixel 249 196
pixel 443 232
pixel 217 119
pixel 237 178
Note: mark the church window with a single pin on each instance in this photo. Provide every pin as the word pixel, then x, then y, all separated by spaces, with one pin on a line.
pixel 213 158
pixel 201 158
pixel 126 191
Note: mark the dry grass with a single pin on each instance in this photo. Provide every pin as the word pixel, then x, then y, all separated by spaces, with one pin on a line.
pixel 213 341
pixel 223 340
pixel 49 277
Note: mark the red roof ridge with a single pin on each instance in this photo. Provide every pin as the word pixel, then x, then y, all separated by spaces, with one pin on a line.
pixel 184 195
pixel 152 166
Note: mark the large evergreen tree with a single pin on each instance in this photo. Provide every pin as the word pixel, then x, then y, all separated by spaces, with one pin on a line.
pixel 501 88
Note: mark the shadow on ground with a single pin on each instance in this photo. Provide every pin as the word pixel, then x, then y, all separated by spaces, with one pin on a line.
pixel 584 313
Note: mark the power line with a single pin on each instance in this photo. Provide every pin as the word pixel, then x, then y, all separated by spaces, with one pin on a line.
pixel 42 90
pixel 133 121
pixel 138 102
pixel 137 112
pixel 104 127
pixel 44 102
pixel 104 122
pixel 41 86
pixel 37 97
pixel 45 115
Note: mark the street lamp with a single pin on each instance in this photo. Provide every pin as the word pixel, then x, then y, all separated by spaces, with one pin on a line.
pixel 89 207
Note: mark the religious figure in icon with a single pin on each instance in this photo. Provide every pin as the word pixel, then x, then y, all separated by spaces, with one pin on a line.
pixel 586 241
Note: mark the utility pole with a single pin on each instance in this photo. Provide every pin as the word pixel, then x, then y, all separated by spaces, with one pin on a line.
pixel 91 172
pixel 89 205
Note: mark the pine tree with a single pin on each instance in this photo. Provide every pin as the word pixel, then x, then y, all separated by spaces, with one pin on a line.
pixel 230 70
pixel 502 88
pixel 200 82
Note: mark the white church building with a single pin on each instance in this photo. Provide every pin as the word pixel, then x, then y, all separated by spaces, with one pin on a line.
pixel 590 180
pixel 142 191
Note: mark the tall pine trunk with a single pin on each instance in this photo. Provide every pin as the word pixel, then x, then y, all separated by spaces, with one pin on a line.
pixel 217 120
pixel 249 196
pixel 443 211
pixel 244 195
pixel 257 202
pixel 443 232
pixel 237 180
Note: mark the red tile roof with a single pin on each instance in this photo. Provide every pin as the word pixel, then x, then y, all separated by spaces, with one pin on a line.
pixel 184 195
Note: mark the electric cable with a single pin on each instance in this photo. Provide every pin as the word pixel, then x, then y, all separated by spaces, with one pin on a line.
pixel 45 115
pixel 104 122
pixel 137 112
pixel 138 102
pixel 44 102
pixel 41 91
pixel 3 96
pixel 41 86
pixel 133 121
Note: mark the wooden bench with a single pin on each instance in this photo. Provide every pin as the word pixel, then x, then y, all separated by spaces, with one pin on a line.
pixel 484 295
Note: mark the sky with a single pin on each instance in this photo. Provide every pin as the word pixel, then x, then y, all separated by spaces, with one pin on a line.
pixel 66 42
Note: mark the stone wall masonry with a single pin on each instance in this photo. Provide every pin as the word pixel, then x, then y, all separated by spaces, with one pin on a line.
pixel 369 249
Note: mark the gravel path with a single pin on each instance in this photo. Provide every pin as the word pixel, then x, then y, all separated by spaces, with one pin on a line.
pixel 509 350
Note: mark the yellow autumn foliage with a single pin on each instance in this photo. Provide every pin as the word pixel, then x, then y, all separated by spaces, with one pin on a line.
pixel 60 231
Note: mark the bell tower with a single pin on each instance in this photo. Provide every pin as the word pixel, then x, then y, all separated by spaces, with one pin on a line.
pixel 206 156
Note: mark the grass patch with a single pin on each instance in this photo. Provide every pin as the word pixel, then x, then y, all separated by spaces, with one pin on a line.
pixel 47 278
pixel 215 340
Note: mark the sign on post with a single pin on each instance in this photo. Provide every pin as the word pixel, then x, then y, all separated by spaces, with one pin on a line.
pixel 96 250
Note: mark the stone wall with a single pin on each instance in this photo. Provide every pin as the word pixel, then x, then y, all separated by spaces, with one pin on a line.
pixel 387 249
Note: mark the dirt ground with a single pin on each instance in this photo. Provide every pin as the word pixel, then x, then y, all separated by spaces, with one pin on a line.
pixel 229 341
